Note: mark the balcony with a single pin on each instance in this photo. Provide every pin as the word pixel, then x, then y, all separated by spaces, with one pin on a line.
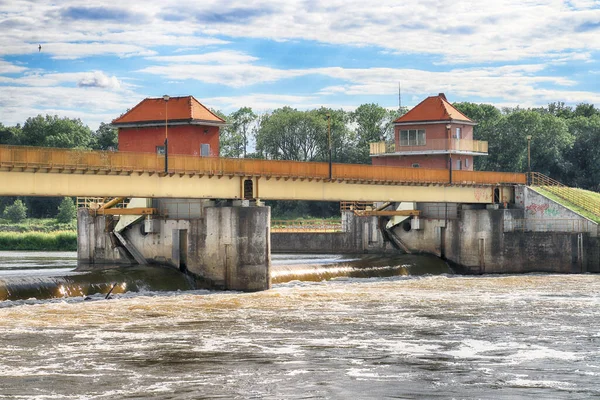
pixel 432 146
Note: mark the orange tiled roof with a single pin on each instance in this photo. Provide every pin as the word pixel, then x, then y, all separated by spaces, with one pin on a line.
pixel 178 109
pixel 434 108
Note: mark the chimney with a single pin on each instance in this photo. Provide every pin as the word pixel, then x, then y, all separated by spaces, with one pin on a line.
pixel 443 96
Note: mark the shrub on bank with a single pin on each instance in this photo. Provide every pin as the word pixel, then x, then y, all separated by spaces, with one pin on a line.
pixel 17 212
pixel 40 241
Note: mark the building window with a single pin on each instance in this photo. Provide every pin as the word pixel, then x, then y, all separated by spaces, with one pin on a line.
pixel 412 137
pixel 205 150
pixel 458 133
pixel 160 150
pixel 459 165
pixel 416 165
pixel 467 163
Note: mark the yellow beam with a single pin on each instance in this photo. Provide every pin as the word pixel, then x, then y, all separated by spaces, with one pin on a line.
pixel 185 186
pixel 388 213
pixel 112 203
pixel 127 211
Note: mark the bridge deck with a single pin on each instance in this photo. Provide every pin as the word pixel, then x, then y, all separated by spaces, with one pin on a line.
pixel 61 172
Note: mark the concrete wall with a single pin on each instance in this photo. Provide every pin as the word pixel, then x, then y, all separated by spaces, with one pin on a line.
pixel 544 214
pixel 226 248
pixel 477 243
pixel 360 235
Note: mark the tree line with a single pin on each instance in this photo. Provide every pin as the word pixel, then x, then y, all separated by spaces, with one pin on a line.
pixel 565 141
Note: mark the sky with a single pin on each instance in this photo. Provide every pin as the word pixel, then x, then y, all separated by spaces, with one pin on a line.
pixel 100 58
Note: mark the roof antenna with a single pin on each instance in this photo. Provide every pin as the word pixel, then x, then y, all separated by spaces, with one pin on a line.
pixel 399 97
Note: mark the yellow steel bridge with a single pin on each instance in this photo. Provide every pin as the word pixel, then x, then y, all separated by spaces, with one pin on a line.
pixel 36 171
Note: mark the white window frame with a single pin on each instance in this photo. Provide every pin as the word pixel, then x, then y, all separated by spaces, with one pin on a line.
pixel 412 137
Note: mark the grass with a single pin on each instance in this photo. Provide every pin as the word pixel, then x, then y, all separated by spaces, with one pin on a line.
pixel 571 206
pixel 36 225
pixel 40 241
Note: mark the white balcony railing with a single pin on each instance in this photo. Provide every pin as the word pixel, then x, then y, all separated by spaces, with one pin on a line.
pixel 432 145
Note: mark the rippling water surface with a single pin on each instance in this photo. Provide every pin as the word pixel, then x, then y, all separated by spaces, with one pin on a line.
pixel 400 336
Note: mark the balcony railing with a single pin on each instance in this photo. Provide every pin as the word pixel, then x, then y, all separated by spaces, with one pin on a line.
pixel 432 145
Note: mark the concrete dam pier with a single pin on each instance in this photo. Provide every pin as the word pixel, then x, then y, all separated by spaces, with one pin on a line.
pixel 223 246
pixel 532 234
pixel 227 244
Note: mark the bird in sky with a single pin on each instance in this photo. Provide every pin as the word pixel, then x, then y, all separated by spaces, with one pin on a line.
pixel 39 48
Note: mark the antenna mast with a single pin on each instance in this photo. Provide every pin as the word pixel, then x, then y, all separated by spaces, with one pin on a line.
pixel 399 97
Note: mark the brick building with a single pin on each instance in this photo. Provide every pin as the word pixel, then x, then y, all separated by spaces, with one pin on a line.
pixel 433 134
pixel 191 128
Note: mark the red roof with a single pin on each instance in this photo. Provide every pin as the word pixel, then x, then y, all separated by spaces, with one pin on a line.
pixel 177 109
pixel 434 108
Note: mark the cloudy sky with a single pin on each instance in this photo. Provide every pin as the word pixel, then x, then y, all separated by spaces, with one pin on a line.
pixel 99 58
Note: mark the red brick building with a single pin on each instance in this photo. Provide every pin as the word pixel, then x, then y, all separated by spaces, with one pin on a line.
pixel 190 127
pixel 433 134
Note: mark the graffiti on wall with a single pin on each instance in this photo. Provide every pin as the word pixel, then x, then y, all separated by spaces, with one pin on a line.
pixel 542 209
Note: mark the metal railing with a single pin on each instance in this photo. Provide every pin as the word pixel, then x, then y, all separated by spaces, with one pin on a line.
pixel 63 160
pixel 572 195
pixel 438 145
pixel 551 225
pixel 356 205
pixel 306 225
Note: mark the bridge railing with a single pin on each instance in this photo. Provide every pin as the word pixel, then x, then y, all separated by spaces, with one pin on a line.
pixel 108 161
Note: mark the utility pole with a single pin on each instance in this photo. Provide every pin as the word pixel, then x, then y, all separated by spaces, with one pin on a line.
pixel 166 99
pixel 329 142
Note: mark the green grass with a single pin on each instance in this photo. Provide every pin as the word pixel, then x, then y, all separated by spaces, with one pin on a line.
pixel 40 241
pixel 36 225
pixel 571 206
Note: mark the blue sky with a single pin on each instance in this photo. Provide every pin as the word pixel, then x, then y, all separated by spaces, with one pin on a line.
pixel 99 58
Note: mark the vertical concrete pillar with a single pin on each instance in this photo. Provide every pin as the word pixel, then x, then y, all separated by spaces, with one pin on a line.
pixel 237 254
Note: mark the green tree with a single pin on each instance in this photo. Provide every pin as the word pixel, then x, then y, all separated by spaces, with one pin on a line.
pixel 585 153
pixel 52 131
pixel 488 119
pixel 105 138
pixel 17 212
pixel 289 134
pixel 373 124
pixel 241 122
pixel 585 110
pixel 67 211
pixel 9 134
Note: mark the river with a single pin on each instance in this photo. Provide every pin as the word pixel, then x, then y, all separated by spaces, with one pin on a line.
pixel 419 332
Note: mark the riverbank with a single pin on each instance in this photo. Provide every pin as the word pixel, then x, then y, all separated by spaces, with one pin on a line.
pixel 40 241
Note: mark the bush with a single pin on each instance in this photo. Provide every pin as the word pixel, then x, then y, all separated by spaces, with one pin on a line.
pixel 67 211
pixel 17 212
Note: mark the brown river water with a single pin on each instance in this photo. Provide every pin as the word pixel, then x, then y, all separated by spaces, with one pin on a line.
pixel 366 328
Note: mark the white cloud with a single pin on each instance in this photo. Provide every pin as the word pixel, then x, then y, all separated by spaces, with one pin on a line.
pixel 218 57
pixel 99 79
pixel 457 31
pixel 10 68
